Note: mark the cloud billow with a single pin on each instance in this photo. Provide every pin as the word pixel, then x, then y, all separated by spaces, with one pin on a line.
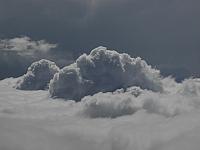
pixel 103 71
pixel 38 76
pixel 177 99
pixel 109 84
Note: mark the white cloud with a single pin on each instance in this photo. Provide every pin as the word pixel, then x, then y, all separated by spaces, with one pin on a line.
pixel 112 105
pixel 30 120
pixel 183 97
pixel 139 118
pixel 102 71
pixel 25 46
pixel 38 76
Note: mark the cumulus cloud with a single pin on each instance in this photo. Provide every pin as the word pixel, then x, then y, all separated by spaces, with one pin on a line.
pixel 110 84
pixel 103 71
pixel 17 54
pixel 190 87
pixel 25 46
pixel 118 103
pixel 38 75
pixel 182 97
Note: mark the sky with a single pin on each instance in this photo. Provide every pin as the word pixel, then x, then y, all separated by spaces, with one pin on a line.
pixel 163 32
pixel 105 99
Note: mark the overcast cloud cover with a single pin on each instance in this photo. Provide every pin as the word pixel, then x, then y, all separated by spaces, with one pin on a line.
pixel 164 33
pixel 68 95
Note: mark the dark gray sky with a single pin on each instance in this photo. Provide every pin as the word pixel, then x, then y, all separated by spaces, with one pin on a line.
pixel 166 33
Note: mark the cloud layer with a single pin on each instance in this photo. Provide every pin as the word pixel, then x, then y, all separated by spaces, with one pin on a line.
pixel 143 120
pixel 103 71
pixel 180 98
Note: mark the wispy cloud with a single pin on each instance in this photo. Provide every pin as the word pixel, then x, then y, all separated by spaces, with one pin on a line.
pixel 25 45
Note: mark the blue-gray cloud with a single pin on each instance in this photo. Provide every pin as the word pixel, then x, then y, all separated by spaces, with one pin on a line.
pixel 165 33
pixel 16 54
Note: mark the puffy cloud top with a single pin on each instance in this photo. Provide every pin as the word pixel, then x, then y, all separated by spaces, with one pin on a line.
pixel 103 71
pixel 190 87
pixel 180 98
pixel 38 75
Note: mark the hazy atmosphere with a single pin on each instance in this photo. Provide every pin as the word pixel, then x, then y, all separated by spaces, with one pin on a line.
pixel 99 75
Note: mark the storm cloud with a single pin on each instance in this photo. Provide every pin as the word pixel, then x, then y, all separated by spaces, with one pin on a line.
pixel 165 33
